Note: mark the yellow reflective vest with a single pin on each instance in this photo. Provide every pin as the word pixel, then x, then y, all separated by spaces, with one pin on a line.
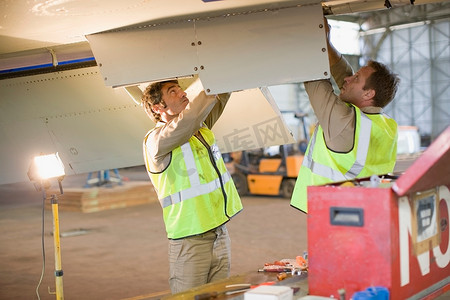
pixel 374 152
pixel 196 191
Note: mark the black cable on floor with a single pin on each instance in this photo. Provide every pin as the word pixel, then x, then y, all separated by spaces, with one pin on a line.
pixel 43 244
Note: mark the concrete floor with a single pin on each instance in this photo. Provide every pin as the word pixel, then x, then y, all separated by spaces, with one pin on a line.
pixel 122 253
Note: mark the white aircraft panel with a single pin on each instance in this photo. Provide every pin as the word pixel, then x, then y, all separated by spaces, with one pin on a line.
pixel 242 127
pixel 262 49
pixel 93 127
pixel 251 120
pixel 229 53
pixel 145 53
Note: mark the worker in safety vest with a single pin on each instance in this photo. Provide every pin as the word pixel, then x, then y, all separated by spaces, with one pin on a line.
pixel 354 137
pixel 194 188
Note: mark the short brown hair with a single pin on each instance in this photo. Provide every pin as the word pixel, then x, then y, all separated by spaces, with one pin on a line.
pixel 384 82
pixel 152 96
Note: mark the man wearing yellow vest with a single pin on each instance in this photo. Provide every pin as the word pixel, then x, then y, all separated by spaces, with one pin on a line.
pixel 354 138
pixel 194 188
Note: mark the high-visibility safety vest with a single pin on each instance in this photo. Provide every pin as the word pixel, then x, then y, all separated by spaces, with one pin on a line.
pixel 196 191
pixel 374 152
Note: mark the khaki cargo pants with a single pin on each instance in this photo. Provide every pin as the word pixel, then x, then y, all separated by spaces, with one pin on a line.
pixel 199 259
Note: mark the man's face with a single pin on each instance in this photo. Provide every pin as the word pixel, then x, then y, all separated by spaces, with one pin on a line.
pixel 175 99
pixel 352 91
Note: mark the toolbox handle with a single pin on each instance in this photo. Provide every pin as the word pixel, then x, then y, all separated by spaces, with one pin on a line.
pixel 347 216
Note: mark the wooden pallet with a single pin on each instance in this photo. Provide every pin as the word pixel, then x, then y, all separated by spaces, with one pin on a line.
pixel 95 199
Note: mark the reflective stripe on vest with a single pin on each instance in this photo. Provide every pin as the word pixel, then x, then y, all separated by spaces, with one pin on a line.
pixel 361 155
pixel 189 160
pixel 194 191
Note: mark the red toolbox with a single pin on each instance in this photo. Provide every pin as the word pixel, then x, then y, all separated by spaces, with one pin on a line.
pixel 392 233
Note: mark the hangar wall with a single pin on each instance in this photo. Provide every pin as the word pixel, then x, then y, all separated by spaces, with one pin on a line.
pixel 414 42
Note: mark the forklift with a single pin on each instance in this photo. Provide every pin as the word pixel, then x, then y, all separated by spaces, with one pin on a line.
pixel 263 172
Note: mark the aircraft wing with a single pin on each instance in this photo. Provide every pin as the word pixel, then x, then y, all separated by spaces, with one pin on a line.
pixel 28 25
pixel 60 59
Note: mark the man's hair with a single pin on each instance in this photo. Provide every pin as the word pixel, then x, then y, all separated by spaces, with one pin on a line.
pixel 152 96
pixel 384 82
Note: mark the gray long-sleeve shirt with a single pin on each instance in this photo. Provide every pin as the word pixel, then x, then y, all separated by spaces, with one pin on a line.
pixel 167 136
pixel 335 116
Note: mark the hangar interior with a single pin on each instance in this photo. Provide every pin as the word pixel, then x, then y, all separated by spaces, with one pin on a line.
pixel 121 253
